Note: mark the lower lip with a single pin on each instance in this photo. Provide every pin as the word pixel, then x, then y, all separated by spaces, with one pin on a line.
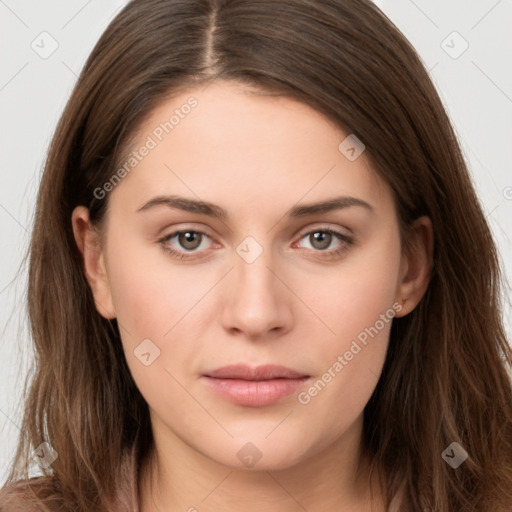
pixel 254 393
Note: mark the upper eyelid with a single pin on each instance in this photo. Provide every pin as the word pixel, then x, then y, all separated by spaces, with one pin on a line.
pixel 323 227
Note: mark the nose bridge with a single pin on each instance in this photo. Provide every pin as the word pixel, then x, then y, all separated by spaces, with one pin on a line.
pixel 255 277
pixel 259 302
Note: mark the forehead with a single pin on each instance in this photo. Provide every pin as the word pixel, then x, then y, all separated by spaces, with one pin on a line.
pixel 245 151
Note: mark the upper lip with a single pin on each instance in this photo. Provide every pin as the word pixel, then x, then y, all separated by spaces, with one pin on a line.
pixel 264 372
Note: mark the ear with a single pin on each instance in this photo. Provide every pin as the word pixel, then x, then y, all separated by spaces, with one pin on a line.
pixel 88 242
pixel 416 265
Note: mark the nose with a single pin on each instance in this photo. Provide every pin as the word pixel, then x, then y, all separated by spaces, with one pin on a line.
pixel 258 303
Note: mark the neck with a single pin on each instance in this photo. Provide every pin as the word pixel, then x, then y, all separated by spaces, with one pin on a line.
pixel 175 477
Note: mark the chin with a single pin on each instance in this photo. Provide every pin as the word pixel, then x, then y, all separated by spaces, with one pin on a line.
pixel 265 455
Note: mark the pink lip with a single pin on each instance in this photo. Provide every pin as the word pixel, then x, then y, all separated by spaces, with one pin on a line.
pixel 255 387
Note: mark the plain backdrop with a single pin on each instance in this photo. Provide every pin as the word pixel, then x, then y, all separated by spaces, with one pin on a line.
pixel 465 45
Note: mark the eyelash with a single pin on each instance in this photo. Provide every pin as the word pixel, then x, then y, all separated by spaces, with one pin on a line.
pixel 348 241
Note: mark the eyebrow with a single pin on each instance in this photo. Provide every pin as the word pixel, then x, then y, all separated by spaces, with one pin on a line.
pixel 215 211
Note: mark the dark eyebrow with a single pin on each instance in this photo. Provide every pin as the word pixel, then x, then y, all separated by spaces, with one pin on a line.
pixel 188 205
pixel 327 206
pixel 213 210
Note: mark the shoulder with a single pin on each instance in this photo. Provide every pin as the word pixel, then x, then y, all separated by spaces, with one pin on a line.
pixel 23 495
pixel 19 496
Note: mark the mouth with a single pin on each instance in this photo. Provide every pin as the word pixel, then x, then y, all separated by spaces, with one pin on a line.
pixel 254 387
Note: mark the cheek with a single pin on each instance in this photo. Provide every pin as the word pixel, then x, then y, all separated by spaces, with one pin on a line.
pixel 152 297
pixel 149 290
pixel 351 296
pixel 159 300
pixel 142 295
pixel 357 306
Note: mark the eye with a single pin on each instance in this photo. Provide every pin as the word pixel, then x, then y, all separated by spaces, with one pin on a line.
pixel 188 240
pixel 321 239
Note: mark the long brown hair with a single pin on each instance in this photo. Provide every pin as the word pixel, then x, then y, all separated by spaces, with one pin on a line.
pixel 445 378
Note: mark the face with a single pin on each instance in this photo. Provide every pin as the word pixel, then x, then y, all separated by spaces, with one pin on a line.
pixel 272 281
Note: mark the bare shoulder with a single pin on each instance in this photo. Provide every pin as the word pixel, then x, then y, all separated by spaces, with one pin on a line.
pixel 20 496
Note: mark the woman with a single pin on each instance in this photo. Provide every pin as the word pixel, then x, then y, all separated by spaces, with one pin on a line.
pixel 260 276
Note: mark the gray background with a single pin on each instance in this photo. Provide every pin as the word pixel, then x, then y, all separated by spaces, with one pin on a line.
pixel 475 85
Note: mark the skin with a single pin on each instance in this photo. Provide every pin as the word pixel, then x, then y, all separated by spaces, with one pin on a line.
pixel 256 157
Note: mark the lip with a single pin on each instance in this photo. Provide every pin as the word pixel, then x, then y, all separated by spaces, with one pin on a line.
pixel 254 387
pixel 263 372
